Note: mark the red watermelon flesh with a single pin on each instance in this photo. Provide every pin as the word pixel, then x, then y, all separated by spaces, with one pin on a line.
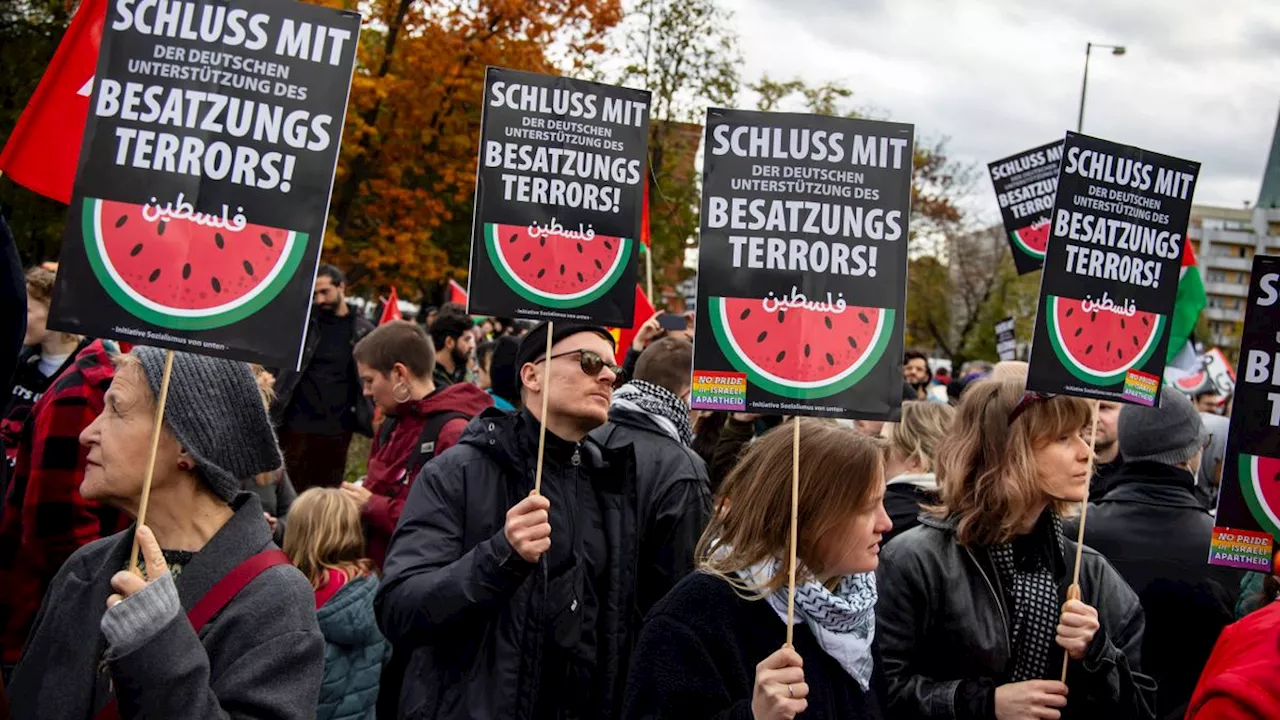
pixel 1194 382
pixel 556 269
pixel 1260 481
pixel 1099 346
pixel 1033 239
pixel 800 352
pixel 181 264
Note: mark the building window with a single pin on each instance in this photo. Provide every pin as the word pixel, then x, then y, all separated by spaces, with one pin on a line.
pixel 1217 276
pixel 1212 223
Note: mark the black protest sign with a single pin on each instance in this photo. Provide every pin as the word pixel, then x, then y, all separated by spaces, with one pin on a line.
pixel 1025 185
pixel 200 200
pixel 1248 518
pixel 1006 343
pixel 802 265
pixel 559 191
pixel 1111 271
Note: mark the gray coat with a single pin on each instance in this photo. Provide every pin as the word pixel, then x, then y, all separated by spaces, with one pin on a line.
pixel 262 656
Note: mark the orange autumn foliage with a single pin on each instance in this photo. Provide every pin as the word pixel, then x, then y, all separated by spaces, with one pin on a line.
pixel 402 197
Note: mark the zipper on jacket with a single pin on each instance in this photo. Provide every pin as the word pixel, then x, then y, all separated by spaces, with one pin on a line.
pixel 1004 619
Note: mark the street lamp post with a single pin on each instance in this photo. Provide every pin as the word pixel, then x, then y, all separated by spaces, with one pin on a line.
pixel 1084 84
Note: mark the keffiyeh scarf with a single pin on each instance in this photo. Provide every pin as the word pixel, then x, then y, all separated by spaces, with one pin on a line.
pixel 1026 571
pixel 843 621
pixel 670 412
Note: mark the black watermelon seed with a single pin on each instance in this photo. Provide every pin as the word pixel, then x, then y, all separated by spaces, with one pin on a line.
pixel 160 228
pixel 598 265
pixel 1145 321
pixel 806 351
pixel 863 317
pixel 1119 353
pixel 217 239
pixel 136 249
pixel 1121 323
pixel 1088 350
pixel 1068 312
pixel 561 269
pixel 781 354
pixel 217 286
pixel 852 343
pixel 744 314
pixel 248 268
pixel 830 360
pixel 1093 316
pixel 186 271
pixel 542 241
pixel 542 272
pixel 1078 331
pixel 526 257
pixel 123 219
pixel 782 315
pixel 266 240
pixel 827 320
pixel 155 275
pixel 579 248
pixel 760 338
pixel 580 278
pixel 1108 347
pixel 514 237
pixel 608 245
pixel 1135 341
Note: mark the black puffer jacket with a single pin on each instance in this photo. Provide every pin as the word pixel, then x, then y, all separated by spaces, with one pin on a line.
pixel 674 500
pixel 942 625
pixel 465 608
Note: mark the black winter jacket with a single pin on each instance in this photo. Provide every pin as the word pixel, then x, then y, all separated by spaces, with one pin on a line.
pixel 943 627
pixel 466 608
pixel 287 379
pixel 674 496
pixel 1154 530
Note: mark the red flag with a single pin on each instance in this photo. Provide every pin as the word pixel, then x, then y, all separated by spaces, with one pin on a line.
pixel 42 152
pixel 644 219
pixel 391 311
pixel 644 311
pixel 457 293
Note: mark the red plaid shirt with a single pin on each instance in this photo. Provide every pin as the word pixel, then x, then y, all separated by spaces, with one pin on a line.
pixel 45 519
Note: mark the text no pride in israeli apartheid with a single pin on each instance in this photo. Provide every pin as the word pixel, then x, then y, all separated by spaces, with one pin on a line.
pixel 1025 185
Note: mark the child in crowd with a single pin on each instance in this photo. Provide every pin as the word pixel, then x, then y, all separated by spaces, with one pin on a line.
pixel 325 540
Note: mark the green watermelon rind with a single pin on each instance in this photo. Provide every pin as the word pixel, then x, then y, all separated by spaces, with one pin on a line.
pixel 1084 374
pixel 492 244
pixel 1018 243
pixel 782 387
pixel 174 318
pixel 1253 495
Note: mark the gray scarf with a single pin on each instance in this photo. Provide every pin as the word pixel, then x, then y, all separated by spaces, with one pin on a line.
pixel 1026 570
pixel 668 411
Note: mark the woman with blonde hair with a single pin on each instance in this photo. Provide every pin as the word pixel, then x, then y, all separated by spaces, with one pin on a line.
pixel 326 542
pixel 714 646
pixel 913 441
pixel 973 622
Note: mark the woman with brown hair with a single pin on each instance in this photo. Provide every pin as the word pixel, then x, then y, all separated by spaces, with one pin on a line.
pixel 714 646
pixel 972 622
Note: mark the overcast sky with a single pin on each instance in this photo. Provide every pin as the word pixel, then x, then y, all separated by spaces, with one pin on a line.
pixel 1201 79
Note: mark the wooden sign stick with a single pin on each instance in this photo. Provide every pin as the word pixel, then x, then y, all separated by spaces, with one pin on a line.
pixel 795 511
pixel 546 393
pixel 1073 592
pixel 151 459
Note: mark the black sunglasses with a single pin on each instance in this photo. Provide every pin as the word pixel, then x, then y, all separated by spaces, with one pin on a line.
pixel 1029 399
pixel 592 364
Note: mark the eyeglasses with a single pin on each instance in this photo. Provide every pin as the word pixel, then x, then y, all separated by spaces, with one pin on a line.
pixel 1029 399
pixel 592 364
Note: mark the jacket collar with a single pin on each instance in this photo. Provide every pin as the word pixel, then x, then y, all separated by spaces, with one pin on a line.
pixel 1153 483
pixel 1065 545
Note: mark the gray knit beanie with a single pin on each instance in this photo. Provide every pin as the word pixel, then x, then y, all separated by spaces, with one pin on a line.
pixel 216 412
pixel 1170 434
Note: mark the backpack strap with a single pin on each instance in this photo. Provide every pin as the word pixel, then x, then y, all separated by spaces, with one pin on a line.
pixel 425 449
pixel 218 597
pixel 387 427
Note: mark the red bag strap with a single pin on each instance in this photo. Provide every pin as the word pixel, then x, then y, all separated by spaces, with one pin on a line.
pixel 218 597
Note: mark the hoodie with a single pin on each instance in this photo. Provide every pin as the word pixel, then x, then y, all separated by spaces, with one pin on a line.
pixel 388 478
pixel 353 652
pixel 1239 681
pixel 904 499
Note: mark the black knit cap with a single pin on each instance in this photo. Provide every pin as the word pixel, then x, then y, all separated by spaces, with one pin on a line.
pixel 534 345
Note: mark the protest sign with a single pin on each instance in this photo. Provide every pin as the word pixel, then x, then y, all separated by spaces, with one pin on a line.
pixel 1111 271
pixel 559 192
pixel 1214 375
pixel 1006 343
pixel 1025 186
pixel 802 265
pixel 203 184
pixel 1248 517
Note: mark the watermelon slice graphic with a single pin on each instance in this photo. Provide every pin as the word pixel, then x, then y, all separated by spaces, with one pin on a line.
pixel 555 271
pixel 1193 383
pixel 1099 347
pixel 777 354
pixel 1260 482
pixel 180 274
pixel 1033 239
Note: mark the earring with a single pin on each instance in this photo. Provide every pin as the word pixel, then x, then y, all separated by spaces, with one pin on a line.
pixel 184 466
pixel 395 392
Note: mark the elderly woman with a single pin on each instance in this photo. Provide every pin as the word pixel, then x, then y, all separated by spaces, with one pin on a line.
pixel 220 625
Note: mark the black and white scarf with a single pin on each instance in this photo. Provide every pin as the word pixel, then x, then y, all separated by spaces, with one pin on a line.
pixel 1026 570
pixel 669 411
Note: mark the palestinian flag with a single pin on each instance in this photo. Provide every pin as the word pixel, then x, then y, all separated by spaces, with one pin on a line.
pixel 1190 303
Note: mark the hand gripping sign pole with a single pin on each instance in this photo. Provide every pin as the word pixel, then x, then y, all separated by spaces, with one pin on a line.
pixel 1073 592
pixel 795 511
pixel 151 459
pixel 546 393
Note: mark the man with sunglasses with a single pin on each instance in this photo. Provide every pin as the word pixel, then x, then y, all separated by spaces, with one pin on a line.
pixel 504 604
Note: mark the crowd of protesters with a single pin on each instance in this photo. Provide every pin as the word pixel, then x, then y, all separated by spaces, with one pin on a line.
pixel 647 575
